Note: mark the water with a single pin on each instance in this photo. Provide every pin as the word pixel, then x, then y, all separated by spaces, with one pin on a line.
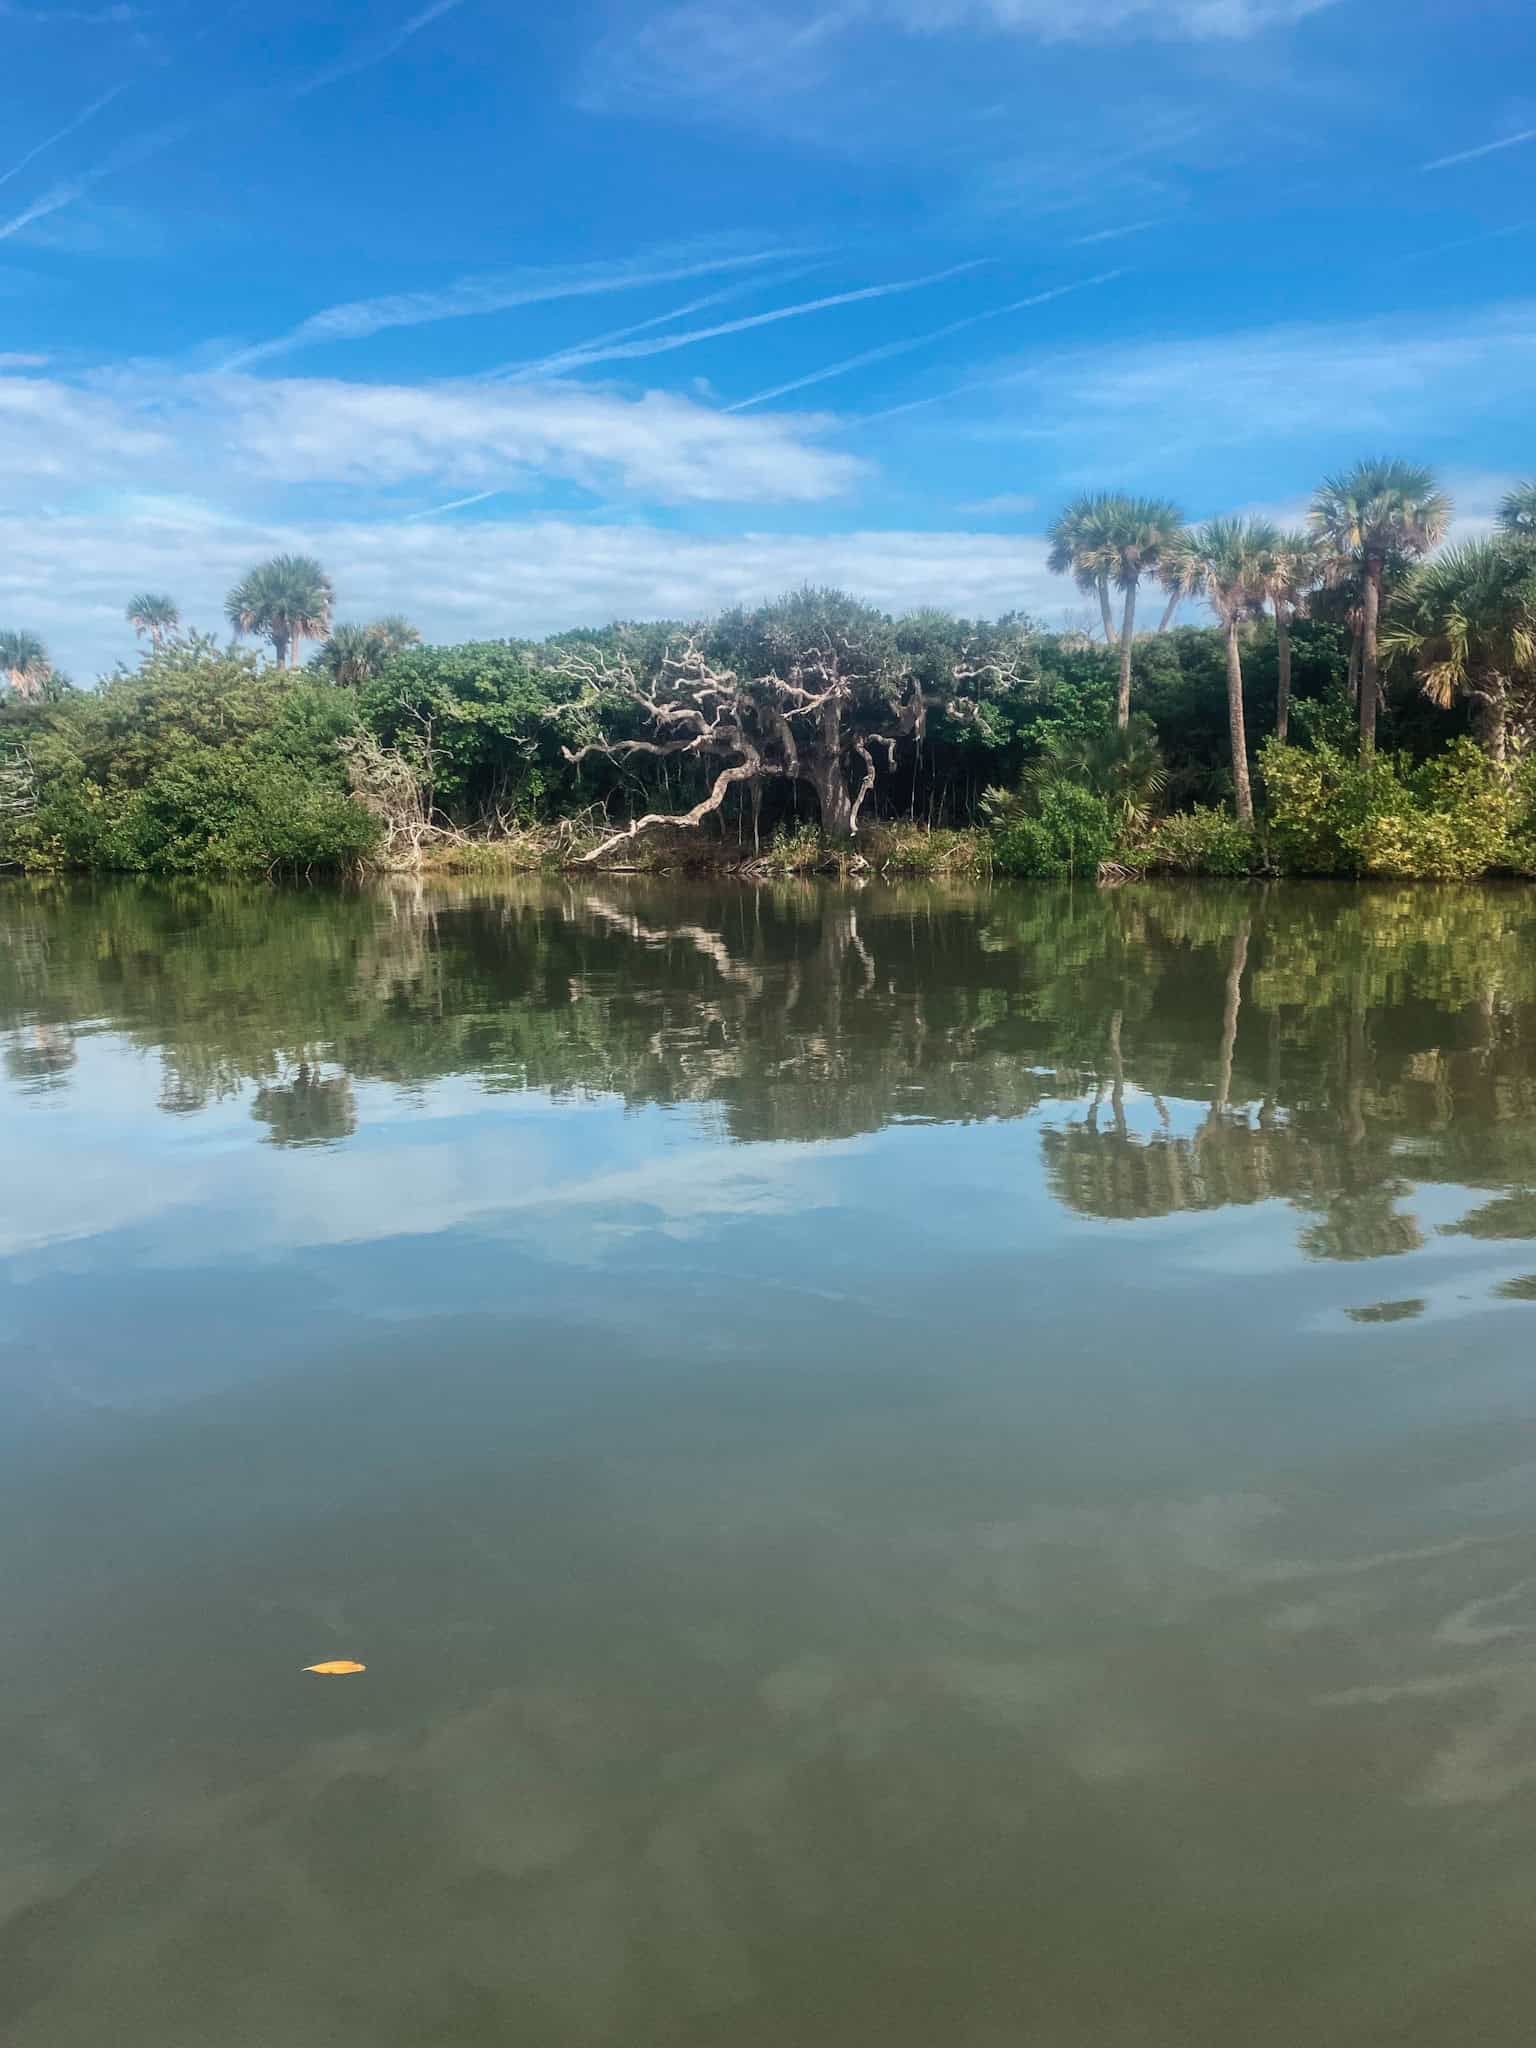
pixel 907 1466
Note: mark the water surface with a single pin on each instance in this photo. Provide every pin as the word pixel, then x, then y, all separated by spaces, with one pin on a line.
pixel 908 1466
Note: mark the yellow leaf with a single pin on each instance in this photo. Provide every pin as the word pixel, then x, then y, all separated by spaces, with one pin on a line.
pixel 337 1668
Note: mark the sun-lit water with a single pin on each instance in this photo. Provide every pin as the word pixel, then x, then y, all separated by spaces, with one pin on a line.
pixel 908 1467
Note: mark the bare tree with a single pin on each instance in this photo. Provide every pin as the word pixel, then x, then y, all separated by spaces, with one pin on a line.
pixel 18 786
pixel 808 692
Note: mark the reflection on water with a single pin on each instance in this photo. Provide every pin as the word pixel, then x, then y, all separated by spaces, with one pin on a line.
pixel 906 1464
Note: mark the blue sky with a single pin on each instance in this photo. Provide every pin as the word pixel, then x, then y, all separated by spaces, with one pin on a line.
pixel 524 318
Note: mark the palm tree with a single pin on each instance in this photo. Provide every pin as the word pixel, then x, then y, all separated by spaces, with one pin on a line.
pixel 1517 511
pixel 1139 534
pixel 356 654
pixel 1080 547
pixel 1380 510
pixel 1115 539
pixel 396 632
pixel 1122 764
pixel 155 615
pixel 1181 575
pixel 1293 568
pixel 285 600
pixel 1234 554
pixel 353 654
pixel 24 659
pixel 1467 623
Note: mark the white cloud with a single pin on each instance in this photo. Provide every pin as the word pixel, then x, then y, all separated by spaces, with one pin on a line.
pixel 1132 403
pixel 1070 21
pixel 68 577
pixel 724 50
pixel 156 432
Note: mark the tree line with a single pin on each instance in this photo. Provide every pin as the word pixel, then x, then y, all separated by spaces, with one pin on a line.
pixel 813 721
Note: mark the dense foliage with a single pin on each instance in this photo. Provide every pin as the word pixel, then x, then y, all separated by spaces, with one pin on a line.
pixel 199 761
pixel 1356 710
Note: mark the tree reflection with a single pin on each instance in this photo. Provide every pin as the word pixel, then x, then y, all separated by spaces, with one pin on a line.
pixel 1184 1048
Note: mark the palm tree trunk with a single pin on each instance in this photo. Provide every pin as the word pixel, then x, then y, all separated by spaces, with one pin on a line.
pixel 1494 724
pixel 1283 663
pixel 1105 613
pixel 1241 786
pixel 280 649
pixel 1370 659
pixel 1231 1008
pixel 1169 609
pixel 1127 634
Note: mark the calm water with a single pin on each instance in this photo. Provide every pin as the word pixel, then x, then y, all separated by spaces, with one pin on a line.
pixel 908 1467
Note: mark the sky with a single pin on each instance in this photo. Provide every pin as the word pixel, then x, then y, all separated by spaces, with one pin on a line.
pixel 524 318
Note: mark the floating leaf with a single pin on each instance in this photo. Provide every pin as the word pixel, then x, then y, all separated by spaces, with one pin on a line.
pixel 339 1667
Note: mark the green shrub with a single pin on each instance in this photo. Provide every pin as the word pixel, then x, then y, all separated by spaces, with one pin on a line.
pixel 1446 819
pixel 1062 830
pixel 1202 842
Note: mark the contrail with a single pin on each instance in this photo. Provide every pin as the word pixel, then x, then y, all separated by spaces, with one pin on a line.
pixel 133 152
pixel 1135 227
pixel 519 373
pixel 627 351
pixel 458 504
pixel 71 189
pixel 360 318
pixel 87 114
pixel 899 348
pixel 1466 156
pixel 377 52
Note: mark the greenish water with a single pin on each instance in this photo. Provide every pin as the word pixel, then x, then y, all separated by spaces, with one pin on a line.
pixel 908 1467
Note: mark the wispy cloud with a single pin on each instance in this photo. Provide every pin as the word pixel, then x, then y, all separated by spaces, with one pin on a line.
pixel 544 366
pixel 887 349
pixel 138 148
pixel 720 52
pixel 483 579
pixel 1135 227
pixel 467 297
pixel 1068 21
pixel 377 52
pixel 264 435
pixel 461 504
pixel 1467 156
pixel 62 134
pixel 119 15
pixel 1142 408
pixel 122 158
pixel 629 351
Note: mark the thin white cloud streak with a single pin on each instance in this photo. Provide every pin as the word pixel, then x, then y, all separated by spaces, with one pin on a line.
pixel 468 297
pixel 62 134
pixel 121 159
pixel 743 53
pixel 460 504
pixel 1467 156
pixel 378 53
pixel 629 351
pixel 1135 227
pixel 915 341
pixel 517 373
pixel 138 148
pixel 1519 227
